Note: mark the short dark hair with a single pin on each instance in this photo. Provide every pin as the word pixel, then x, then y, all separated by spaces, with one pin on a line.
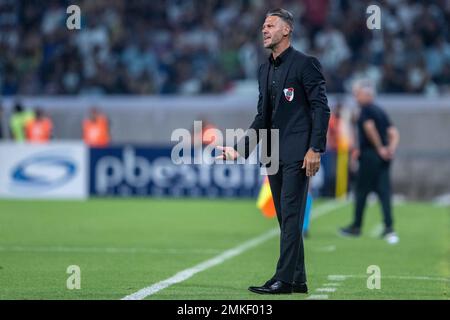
pixel 285 15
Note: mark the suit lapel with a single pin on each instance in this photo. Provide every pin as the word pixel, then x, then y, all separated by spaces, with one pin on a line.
pixel 283 79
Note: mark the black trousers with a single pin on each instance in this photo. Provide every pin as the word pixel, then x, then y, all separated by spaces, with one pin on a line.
pixel 289 190
pixel 373 175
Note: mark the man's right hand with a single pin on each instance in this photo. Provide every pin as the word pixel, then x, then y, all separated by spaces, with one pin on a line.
pixel 392 150
pixel 228 153
pixel 385 153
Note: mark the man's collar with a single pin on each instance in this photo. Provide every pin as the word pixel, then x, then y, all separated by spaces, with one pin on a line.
pixel 366 105
pixel 282 57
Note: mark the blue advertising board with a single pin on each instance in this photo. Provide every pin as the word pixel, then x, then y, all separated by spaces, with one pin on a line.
pixel 149 171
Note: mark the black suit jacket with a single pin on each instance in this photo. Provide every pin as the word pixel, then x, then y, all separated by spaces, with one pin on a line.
pixel 301 111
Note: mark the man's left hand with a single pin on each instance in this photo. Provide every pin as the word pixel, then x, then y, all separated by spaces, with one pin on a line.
pixel 311 162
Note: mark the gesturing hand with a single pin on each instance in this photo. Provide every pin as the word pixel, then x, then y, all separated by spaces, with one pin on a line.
pixel 311 162
pixel 228 153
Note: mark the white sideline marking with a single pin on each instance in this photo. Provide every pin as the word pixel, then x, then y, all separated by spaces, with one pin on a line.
pixel 317 297
pixel 330 287
pixel 425 278
pixel 335 277
pixel 326 289
pixel 187 273
pixel 105 250
pixel 332 284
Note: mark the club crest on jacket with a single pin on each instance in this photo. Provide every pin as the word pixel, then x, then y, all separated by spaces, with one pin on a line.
pixel 289 94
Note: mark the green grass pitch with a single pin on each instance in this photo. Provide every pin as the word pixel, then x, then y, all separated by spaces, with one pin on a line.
pixel 124 245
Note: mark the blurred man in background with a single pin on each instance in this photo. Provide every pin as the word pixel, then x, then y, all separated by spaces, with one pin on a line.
pixel 208 134
pixel 329 160
pixel 96 129
pixel 378 141
pixel 40 128
pixel 18 122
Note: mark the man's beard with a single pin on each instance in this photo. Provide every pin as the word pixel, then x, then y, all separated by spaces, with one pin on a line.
pixel 272 45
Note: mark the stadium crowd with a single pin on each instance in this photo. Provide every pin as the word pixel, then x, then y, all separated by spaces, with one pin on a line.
pixel 198 47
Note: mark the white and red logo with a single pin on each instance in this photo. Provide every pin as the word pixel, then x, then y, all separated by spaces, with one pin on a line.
pixel 289 94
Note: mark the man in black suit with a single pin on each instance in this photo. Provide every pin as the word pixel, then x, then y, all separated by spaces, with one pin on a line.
pixel 292 99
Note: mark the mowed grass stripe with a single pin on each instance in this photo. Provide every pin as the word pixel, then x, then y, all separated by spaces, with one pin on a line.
pixel 188 224
pixel 421 253
pixel 187 273
pixel 184 224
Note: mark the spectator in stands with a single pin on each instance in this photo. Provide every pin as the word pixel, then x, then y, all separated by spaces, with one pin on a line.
pixel 18 122
pixel 96 131
pixel 191 46
pixel 39 129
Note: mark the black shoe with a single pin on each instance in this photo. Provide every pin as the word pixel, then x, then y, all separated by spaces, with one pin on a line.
pixel 269 282
pixel 299 288
pixel 350 231
pixel 386 232
pixel 278 287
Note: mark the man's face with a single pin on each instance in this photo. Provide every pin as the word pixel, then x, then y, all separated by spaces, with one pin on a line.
pixel 274 30
pixel 362 97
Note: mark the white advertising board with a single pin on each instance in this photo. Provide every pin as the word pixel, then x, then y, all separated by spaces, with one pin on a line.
pixel 53 170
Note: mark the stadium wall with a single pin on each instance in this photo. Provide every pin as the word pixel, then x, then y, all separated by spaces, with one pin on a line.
pixel 420 171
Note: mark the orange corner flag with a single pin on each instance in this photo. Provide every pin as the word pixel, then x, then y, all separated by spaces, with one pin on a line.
pixel 265 200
